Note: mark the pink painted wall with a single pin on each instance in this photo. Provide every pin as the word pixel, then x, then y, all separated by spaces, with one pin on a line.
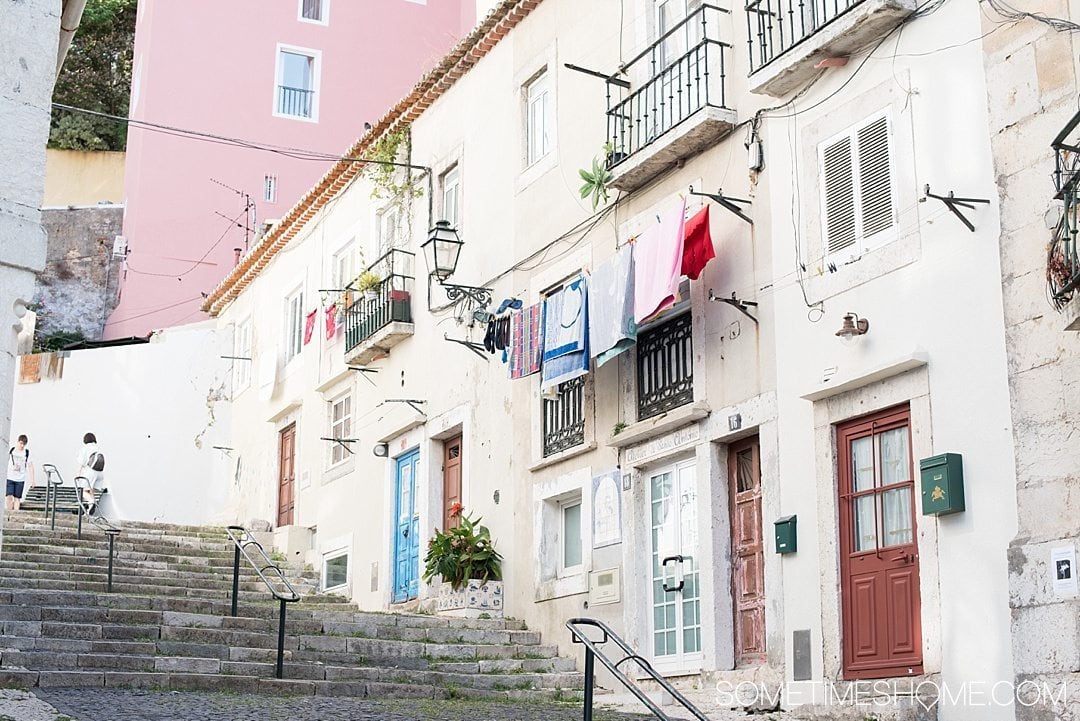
pixel 211 66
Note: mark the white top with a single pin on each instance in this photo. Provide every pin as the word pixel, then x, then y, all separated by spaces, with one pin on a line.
pixel 82 460
pixel 17 463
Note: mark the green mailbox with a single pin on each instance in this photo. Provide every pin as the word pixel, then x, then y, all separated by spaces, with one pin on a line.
pixel 942 484
pixel 786 541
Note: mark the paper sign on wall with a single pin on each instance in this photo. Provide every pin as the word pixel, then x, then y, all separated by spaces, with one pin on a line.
pixel 1063 568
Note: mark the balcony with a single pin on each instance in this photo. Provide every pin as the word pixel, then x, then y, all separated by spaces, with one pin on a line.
pixel 564 417
pixel 672 103
pixel 1063 260
pixel 788 38
pixel 382 317
pixel 296 102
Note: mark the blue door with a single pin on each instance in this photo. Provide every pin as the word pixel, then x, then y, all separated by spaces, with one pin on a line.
pixel 406 529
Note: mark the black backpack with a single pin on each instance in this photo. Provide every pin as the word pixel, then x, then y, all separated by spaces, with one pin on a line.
pixel 96 461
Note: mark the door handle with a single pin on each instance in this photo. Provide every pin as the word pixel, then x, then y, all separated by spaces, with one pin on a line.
pixel 405 532
pixel 908 557
pixel 663 567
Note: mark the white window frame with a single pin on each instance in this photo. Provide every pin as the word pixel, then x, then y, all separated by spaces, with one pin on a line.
pixel 383 243
pixel 450 183
pixel 341 428
pixel 565 504
pixel 270 188
pixel 294 324
pixel 324 14
pixel 316 77
pixel 333 556
pixel 862 243
pixel 539 89
pixel 242 348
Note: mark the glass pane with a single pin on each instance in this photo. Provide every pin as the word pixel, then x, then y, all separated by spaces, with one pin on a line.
pixel 692 640
pixel 660 644
pixel 572 536
pixel 862 464
pixel 865 528
pixel 896 516
pixel 296 71
pixel 895 458
pixel 336 572
pixel 744 471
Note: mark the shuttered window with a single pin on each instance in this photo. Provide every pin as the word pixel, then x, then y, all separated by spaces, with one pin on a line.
pixel 857 187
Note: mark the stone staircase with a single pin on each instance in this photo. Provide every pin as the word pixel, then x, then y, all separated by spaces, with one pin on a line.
pixel 167 625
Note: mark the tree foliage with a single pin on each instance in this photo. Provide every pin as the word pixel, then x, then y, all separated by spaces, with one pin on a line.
pixel 96 76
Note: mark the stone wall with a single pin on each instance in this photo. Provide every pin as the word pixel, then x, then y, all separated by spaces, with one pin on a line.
pixel 1032 82
pixel 78 288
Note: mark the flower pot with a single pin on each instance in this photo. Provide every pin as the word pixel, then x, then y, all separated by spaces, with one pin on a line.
pixel 471 600
pixel 370 295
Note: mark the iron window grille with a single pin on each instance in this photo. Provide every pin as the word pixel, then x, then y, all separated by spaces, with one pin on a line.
pixel 1063 258
pixel 665 367
pixel 564 417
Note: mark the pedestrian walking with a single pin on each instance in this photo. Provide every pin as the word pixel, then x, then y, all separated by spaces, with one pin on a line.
pixel 91 464
pixel 19 469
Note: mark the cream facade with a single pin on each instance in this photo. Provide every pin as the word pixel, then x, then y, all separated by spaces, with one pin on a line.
pixel 738 416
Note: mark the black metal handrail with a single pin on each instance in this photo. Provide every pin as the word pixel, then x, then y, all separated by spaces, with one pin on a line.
pixel 776 26
pixel 283 591
pixel 593 651
pixel 390 301
pixel 108 527
pixel 674 89
pixel 51 471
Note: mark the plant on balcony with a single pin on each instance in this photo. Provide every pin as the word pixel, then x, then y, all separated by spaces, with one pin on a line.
pixel 596 182
pixel 463 553
pixel 368 283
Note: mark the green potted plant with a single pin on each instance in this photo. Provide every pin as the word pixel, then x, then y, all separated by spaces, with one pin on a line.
pixel 465 558
pixel 368 283
pixel 595 182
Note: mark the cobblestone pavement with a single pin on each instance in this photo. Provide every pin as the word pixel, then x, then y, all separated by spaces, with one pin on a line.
pixel 83 704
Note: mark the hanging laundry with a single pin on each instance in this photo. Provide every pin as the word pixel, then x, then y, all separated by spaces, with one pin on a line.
pixel 612 328
pixel 309 325
pixel 566 338
pixel 658 262
pixel 331 321
pixel 502 332
pixel 697 245
pixel 526 341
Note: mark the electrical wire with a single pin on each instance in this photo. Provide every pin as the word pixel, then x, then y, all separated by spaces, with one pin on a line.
pixel 1008 11
pixel 197 263
pixel 152 312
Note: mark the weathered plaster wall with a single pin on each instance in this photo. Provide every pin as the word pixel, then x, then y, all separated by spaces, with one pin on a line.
pixel 79 286
pixel 1032 96
pixel 83 177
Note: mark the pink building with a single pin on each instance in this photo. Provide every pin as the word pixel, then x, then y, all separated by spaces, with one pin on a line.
pixel 292 73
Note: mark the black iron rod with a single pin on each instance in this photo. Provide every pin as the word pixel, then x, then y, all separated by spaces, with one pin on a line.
pixel 78 534
pixel 236 580
pixel 112 538
pixel 586 714
pixel 281 639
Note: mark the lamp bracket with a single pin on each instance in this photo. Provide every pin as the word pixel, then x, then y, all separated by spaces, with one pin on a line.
pixel 726 202
pixel 364 372
pixel 456 293
pixel 475 347
pixel 954 204
pixel 734 302
pixel 411 402
pixel 343 442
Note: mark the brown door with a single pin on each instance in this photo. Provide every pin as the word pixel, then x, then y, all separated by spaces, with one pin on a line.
pixel 879 561
pixel 747 551
pixel 286 475
pixel 451 480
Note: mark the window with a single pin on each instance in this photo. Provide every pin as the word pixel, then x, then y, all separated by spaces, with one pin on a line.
pixel 387 226
pixel 857 189
pixel 294 325
pixel 665 367
pixel 669 14
pixel 451 193
pixel 335 570
pixel 270 188
pixel 340 427
pixel 538 123
pixel 342 272
pixel 297 83
pixel 571 547
pixel 241 368
pixel 564 417
pixel 314 11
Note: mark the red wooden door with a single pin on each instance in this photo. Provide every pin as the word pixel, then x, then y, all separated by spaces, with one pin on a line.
pixel 451 480
pixel 879 561
pixel 286 475
pixel 747 551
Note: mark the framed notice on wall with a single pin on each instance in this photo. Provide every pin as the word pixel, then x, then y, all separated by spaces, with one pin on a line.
pixel 607 509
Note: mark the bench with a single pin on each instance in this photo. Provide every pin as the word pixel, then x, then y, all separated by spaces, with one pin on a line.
pixel 67 498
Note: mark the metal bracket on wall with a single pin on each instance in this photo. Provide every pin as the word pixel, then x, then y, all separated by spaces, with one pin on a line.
pixel 343 442
pixel 954 204
pixel 734 302
pixel 363 372
pixel 475 347
pixel 410 402
pixel 726 202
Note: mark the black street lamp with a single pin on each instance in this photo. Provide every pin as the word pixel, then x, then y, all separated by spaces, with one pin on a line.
pixel 441 251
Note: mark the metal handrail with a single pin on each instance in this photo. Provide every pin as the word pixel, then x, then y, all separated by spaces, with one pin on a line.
pixel 288 594
pixel 592 652
pixel 50 494
pixel 108 527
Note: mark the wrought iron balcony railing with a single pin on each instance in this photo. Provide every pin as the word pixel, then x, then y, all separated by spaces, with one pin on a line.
pixel 390 301
pixel 665 367
pixel 776 26
pixel 564 417
pixel 1063 260
pixel 295 101
pixel 667 83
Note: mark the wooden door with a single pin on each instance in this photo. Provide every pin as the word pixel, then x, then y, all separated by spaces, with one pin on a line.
pixel 406 529
pixel 879 561
pixel 747 551
pixel 286 475
pixel 451 480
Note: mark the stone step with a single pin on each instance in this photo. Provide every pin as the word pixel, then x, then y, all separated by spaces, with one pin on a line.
pixel 35 519
pixel 133 586
pixel 52 547
pixel 259 608
pixel 93 534
pixel 193 563
pixel 129 574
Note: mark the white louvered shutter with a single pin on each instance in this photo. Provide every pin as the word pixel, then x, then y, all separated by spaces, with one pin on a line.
pixel 875 178
pixel 838 185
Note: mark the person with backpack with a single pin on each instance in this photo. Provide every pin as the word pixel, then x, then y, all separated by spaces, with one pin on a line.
pixel 19 467
pixel 91 463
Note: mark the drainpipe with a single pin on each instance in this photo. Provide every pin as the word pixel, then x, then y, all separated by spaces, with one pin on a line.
pixel 70 17
pixel 236 256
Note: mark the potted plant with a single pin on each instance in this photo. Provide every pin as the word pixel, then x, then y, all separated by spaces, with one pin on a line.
pixel 368 283
pixel 470 567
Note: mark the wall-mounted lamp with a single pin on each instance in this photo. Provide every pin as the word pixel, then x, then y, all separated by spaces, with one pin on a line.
pixel 381 450
pixel 853 327
pixel 441 251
